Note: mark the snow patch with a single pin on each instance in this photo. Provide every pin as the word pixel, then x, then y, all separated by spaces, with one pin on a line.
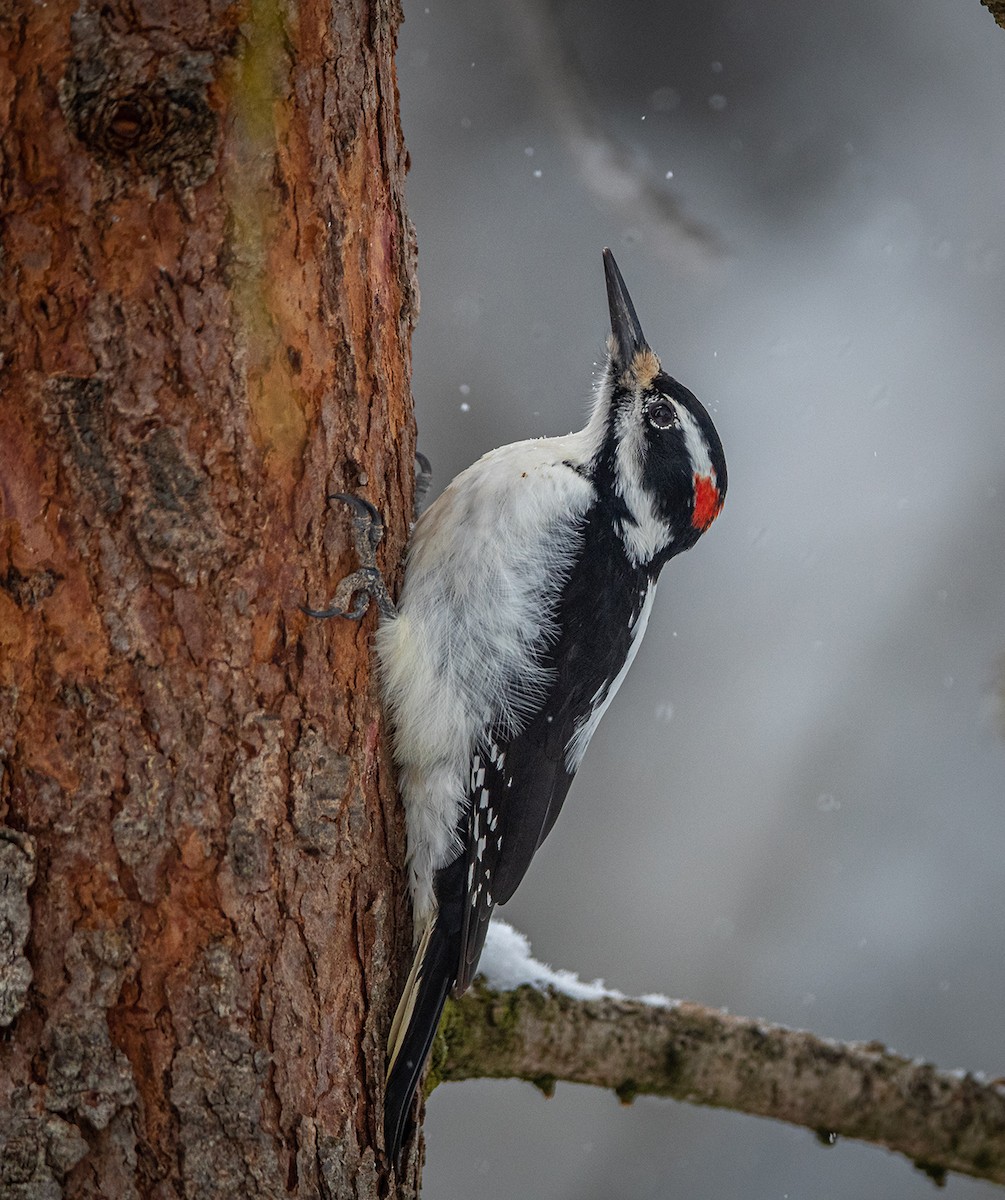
pixel 507 963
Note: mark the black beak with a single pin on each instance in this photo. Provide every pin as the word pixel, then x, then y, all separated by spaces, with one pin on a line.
pixel 628 336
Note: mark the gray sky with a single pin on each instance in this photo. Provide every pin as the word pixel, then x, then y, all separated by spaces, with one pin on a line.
pixel 795 808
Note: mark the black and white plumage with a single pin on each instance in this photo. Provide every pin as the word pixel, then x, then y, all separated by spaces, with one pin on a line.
pixel 527 590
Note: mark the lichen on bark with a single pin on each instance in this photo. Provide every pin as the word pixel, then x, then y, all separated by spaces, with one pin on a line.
pixel 17 874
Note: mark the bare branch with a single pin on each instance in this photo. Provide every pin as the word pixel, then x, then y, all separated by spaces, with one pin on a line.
pixel 943 1121
pixel 611 172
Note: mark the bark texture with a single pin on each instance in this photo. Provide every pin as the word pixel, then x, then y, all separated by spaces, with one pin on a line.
pixel 207 293
pixel 943 1121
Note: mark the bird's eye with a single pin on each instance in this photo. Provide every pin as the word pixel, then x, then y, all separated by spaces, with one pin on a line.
pixel 661 414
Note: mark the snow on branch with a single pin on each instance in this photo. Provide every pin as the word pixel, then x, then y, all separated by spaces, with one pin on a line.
pixel 526 1021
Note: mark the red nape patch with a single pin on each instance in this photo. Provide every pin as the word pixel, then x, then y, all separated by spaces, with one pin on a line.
pixel 707 502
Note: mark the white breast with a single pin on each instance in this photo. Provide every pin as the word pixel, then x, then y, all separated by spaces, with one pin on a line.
pixel 483 577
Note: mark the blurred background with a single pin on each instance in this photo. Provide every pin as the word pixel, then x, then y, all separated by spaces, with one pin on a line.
pixel 795 809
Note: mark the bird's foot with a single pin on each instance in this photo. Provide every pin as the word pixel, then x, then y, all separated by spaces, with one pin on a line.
pixel 366 581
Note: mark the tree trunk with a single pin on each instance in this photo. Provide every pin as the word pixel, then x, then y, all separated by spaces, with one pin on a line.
pixel 207 288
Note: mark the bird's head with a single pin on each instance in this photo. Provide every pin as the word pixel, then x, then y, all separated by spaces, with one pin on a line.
pixel 662 453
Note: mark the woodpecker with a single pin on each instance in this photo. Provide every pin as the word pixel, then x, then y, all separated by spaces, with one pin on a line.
pixel 528 586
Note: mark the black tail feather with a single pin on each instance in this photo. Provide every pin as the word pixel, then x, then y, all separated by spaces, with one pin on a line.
pixel 436 977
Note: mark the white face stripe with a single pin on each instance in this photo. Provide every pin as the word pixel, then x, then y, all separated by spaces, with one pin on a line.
pixel 649 534
pixel 586 728
pixel 694 440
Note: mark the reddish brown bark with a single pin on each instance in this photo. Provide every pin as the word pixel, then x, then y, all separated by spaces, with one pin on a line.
pixel 207 295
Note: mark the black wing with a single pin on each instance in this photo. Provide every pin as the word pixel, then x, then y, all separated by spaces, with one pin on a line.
pixel 518 783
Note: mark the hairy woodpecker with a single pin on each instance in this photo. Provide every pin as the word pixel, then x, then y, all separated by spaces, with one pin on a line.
pixel 527 589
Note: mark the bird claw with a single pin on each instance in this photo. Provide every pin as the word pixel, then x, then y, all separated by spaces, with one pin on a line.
pixel 423 478
pixel 366 581
pixel 367 526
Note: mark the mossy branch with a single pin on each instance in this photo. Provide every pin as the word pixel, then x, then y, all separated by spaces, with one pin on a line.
pixel 997 10
pixel 942 1121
